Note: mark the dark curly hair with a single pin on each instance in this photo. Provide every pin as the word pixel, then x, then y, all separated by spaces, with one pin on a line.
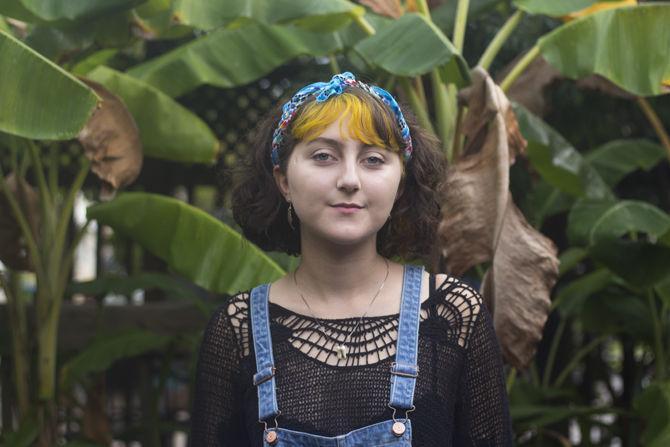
pixel 261 210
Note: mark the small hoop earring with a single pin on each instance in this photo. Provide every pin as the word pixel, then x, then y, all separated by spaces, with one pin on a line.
pixel 290 216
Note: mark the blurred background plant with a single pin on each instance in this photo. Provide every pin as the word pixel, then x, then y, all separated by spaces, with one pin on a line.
pixel 555 203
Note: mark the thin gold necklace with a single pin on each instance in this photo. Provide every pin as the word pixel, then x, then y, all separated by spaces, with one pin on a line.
pixel 341 349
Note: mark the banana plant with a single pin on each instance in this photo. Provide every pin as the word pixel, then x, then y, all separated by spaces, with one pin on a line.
pixel 407 50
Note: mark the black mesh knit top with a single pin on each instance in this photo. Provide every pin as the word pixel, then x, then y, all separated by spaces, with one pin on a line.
pixel 460 395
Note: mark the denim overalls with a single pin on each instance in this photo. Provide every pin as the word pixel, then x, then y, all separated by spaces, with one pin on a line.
pixel 393 432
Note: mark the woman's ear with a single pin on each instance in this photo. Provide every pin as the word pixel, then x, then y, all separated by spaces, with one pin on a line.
pixel 282 182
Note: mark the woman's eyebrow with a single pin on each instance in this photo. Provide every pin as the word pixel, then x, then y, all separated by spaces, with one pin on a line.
pixel 335 143
pixel 328 141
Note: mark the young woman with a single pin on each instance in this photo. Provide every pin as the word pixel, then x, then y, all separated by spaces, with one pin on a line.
pixel 352 348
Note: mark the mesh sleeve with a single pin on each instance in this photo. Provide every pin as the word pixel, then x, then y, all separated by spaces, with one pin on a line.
pixel 482 410
pixel 217 419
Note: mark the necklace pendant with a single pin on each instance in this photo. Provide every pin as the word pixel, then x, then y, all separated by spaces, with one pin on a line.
pixel 341 351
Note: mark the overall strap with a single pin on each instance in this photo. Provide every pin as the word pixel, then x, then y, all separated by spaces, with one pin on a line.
pixel 405 368
pixel 264 378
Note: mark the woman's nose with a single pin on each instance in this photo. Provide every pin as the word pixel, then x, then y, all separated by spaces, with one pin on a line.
pixel 348 179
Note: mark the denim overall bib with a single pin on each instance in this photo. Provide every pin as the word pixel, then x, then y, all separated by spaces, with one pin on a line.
pixel 403 373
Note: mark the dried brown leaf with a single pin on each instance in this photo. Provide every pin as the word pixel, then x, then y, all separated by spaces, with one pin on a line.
pixel 389 8
pixel 480 222
pixel 111 140
pixel 519 283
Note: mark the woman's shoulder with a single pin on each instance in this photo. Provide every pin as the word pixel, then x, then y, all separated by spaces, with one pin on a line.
pixel 231 318
pixel 457 302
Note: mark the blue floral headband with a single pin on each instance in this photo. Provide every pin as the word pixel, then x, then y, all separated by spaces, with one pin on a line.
pixel 323 91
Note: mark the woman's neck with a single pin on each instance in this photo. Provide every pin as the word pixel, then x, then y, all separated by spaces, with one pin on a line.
pixel 337 275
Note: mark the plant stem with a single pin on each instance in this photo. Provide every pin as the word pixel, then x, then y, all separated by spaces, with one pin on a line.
pixel 442 98
pixel 511 378
pixel 23 224
pixel 45 197
pixel 66 211
pixel 418 107
pixel 519 68
pixel 334 66
pixel 658 336
pixel 461 22
pixel 583 352
pixel 551 358
pixel 656 123
pixel 499 40
pixel 17 322
pixel 364 25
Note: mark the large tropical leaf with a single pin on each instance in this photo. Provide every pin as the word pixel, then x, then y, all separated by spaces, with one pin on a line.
pixel 38 99
pixel 572 296
pixel 592 220
pixel 628 46
pixel 616 311
pixel 106 350
pixel 654 406
pixel 228 58
pixel 413 46
pixel 560 164
pixel 167 129
pixel 193 243
pixel 616 159
pixel 55 10
pixel 557 8
pixel 631 238
pixel 315 15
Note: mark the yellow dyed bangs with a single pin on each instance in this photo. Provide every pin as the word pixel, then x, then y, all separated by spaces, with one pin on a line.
pixel 317 116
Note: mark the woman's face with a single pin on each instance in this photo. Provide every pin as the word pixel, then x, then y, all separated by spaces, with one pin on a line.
pixel 341 190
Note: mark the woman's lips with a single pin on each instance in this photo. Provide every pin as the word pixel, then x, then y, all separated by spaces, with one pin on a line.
pixel 347 209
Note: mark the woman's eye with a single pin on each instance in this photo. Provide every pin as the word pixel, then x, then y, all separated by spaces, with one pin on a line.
pixel 374 160
pixel 321 156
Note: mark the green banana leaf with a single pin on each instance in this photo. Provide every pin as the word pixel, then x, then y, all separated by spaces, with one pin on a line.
pixel 653 405
pixel 642 264
pixel 193 243
pixel 168 130
pixel 617 159
pixel 534 416
pixel 553 8
pixel 629 46
pixel 413 46
pixel 569 259
pixel 545 200
pixel 38 99
pixel 559 164
pixel 630 215
pixel 571 298
pixel 56 10
pixel 616 311
pixel 4 26
pixel 592 220
pixel 154 18
pixel 107 349
pixel 92 61
pixel 313 15
pixel 16 10
pixel 173 288
pixel 26 434
pixel 229 58
pixel 600 224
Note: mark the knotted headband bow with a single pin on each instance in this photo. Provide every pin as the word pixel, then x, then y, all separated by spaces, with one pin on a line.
pixel 323 91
